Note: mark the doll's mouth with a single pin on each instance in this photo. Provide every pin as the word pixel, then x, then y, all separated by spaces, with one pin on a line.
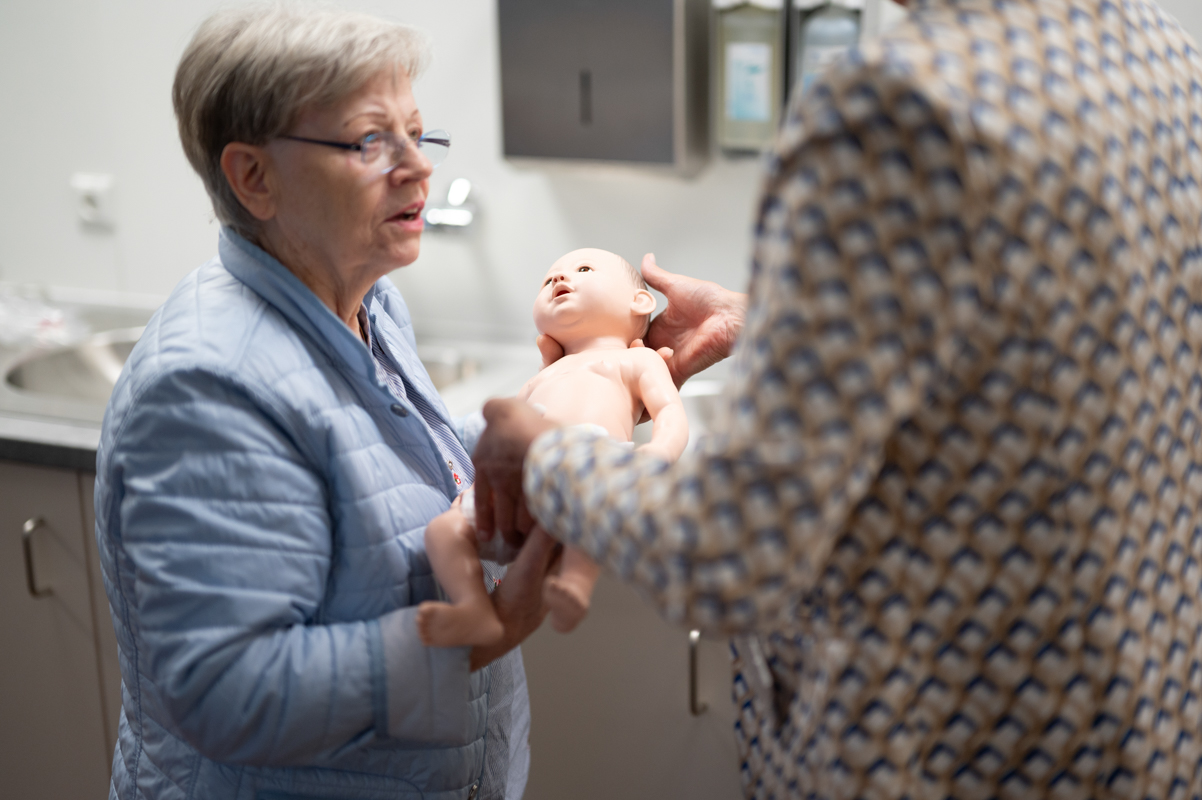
pixel 560 292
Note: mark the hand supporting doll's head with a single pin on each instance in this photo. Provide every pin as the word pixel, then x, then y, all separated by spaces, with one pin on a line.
pixel 591 296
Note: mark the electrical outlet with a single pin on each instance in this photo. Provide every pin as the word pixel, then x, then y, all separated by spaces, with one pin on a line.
pixel 94 199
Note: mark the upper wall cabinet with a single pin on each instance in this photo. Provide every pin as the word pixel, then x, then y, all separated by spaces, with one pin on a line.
pixel 606 80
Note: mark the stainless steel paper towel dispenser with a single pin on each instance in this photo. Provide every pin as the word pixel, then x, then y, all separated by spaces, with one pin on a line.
pixel 606 80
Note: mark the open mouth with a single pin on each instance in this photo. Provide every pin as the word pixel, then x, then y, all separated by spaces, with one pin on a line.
pixel 561 291
pixel 410 214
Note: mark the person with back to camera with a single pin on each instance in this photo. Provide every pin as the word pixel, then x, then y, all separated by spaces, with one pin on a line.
pixel 951 504
pixel 594 305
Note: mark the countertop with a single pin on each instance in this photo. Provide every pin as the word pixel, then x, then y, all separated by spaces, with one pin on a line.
pixel 65 433
pixel 48 443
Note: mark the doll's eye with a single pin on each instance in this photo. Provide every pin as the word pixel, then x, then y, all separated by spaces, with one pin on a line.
pixel 547 282
pixel 585 268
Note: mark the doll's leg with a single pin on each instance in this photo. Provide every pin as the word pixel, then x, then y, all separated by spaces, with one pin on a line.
pixel 568 594
pixel 469 619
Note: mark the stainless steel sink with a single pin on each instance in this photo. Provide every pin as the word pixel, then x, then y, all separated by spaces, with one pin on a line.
pixel 86 372
pixel 71 385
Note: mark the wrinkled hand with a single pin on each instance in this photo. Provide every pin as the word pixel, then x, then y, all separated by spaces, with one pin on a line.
pixel 500 453
pixel 518 599
pixel 700 325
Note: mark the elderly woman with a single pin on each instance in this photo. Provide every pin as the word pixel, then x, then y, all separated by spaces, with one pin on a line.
pixel 274 450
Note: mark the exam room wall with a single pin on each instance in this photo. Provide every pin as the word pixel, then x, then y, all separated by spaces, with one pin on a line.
pixel 85 85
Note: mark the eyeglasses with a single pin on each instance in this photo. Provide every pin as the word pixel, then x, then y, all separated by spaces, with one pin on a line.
pixel 387 150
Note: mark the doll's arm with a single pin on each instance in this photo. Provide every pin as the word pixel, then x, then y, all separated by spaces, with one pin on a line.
pixel 661 399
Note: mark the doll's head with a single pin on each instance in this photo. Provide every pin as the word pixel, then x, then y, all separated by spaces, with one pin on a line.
pixel 591 293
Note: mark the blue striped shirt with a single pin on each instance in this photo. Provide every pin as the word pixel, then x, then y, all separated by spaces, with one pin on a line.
pixel 507 748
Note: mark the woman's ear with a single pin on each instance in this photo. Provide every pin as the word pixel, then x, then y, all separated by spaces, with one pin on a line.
pixel 245 167
pixel 643 303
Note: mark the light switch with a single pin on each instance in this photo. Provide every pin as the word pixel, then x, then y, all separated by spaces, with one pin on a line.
pixel 94 199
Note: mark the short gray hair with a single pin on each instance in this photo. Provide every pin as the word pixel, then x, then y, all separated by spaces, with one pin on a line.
pixel 249 72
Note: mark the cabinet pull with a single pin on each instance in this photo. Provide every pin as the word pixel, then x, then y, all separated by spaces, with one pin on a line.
pixel 31 525
pixel 696 708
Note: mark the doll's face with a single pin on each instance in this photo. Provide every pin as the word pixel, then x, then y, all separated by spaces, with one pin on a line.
pixel 590 293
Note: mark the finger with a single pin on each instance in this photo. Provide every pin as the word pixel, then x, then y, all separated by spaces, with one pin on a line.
pixel 666 353
pixel 549 349
pixel 537 552
pixel 637 343
pixel 656 276
pixel 484 512
pixel 503 516
pixel 494 408
pixel 526 520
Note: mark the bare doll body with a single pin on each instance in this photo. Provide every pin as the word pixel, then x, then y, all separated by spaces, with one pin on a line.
pixel 591 304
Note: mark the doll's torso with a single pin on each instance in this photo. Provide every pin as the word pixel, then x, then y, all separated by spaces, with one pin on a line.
pixel 597 387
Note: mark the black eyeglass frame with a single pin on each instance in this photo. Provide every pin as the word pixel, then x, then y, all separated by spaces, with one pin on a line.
pixel 436 137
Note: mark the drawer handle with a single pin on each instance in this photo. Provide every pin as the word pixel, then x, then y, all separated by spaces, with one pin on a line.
pixel 31 526
pixel 696 708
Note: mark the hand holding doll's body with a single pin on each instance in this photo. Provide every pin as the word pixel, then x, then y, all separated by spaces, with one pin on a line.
pixel 595 305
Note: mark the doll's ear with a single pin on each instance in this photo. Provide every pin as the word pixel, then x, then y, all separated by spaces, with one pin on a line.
pixel 643 303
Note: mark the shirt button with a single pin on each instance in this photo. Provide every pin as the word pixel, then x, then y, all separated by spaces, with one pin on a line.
pixel 399 410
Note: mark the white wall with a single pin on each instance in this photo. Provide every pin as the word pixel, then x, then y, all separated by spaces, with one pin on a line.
pixel 1187 12
pixel 85 87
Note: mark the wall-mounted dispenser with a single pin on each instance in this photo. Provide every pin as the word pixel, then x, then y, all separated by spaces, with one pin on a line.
pixel 821 32
pixel 605 80
pixel 748 70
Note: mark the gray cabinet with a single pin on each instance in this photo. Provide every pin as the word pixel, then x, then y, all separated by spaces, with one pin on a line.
pixel 610 708
pixel 58 714
pixel 610 702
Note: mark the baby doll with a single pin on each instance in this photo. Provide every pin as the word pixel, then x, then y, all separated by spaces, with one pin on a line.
pixel 595 305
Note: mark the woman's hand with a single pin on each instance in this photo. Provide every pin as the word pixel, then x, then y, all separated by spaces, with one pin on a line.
pixel 549 349
pixel 518 599
pixel 500 505
pixel 700 325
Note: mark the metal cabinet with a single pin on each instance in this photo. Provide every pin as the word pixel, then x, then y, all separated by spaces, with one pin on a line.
pixel 58 720
pixel 611 712
pixel 614 81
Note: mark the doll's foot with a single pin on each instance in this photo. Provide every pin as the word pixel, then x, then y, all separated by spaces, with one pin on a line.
pixel 458 625
pixel 568 603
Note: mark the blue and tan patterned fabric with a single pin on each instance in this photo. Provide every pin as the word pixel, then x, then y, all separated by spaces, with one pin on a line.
pixel 951 503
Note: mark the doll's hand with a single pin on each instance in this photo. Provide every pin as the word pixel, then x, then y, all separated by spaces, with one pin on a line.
pixel 700 324
pixel 550 349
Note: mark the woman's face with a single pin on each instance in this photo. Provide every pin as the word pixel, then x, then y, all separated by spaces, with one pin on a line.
pixel 335 213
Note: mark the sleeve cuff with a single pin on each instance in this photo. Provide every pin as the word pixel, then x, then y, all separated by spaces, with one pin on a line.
pixel 557 464
pixel 421 693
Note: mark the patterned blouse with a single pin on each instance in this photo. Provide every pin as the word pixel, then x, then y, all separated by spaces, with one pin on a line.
pixel 950 507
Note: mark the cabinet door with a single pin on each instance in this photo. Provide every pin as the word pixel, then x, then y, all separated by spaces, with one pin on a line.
pixel 106 638
pixel 53 743
pixel 610 708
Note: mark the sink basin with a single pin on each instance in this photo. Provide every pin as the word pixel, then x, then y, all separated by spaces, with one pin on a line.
pixel 86 372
